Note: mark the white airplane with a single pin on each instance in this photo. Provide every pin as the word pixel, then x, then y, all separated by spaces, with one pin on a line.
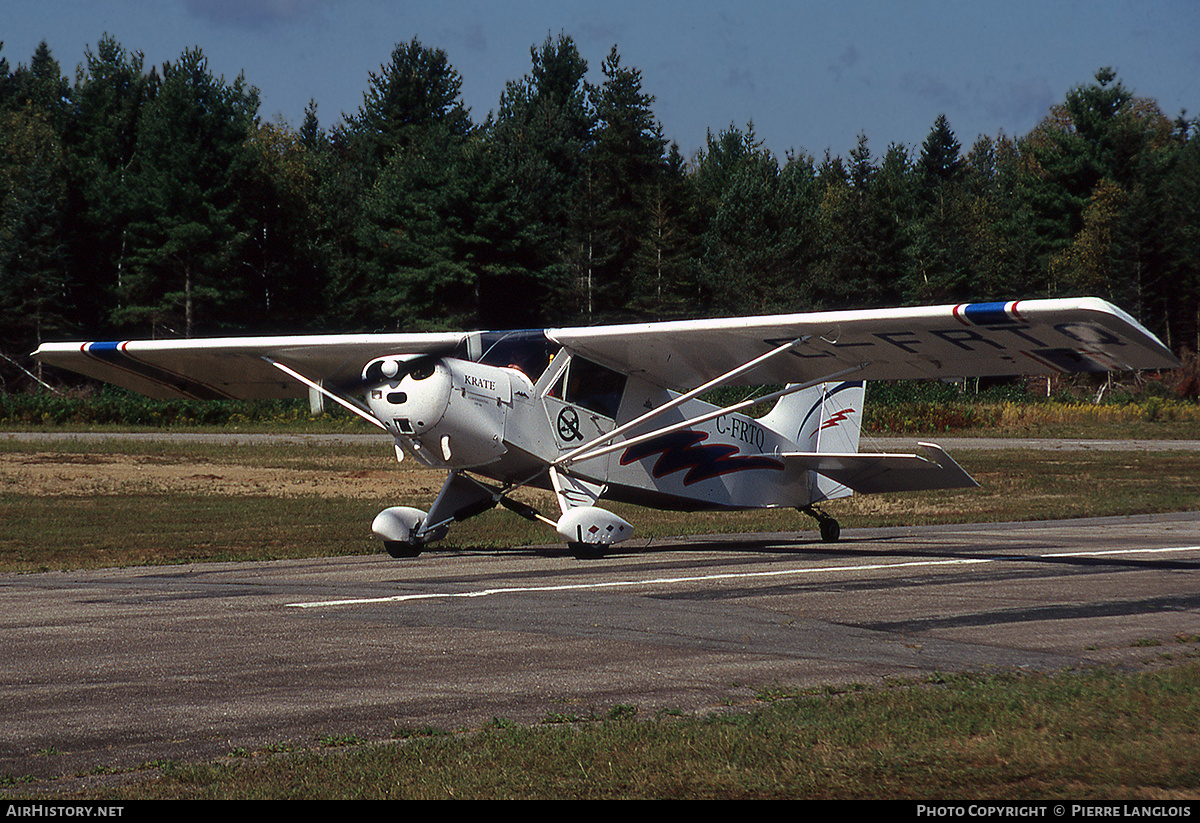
pixel 614 412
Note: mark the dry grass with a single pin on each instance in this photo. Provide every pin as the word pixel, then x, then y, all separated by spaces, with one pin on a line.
pixel 76 505
pixel 1153 418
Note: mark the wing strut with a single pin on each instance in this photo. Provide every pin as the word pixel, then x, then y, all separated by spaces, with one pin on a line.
pixel 593 449
pixel 570 457
pixel 341 401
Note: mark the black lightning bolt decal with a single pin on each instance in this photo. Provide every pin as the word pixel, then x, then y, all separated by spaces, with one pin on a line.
pixel 679 450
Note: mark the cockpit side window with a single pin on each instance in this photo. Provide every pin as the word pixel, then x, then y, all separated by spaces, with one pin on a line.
pixel 593 387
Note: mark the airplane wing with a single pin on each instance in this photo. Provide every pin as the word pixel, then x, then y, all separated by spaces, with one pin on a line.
pixel 878 473
pixel 237 367
pixel 977 339
pixel 967 340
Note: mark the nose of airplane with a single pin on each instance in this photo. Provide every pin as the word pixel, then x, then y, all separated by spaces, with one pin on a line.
pixel 410 401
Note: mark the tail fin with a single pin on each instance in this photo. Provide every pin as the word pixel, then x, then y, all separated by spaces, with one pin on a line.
pixel 826 418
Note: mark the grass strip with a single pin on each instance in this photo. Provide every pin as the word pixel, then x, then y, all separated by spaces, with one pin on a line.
pixel 89 530
pixel 1078 735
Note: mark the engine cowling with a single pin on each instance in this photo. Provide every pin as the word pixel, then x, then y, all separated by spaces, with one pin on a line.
pixel 449 412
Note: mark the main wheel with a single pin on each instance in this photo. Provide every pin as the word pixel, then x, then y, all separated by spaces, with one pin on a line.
pixel 587 551
pixel 398 549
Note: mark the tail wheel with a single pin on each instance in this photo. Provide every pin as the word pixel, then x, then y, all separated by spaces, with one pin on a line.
pixel 831 530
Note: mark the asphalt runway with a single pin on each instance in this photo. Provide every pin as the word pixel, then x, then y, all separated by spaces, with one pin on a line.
pixel 111 669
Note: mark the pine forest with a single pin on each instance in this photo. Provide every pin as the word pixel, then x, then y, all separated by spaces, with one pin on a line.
pixel 155 201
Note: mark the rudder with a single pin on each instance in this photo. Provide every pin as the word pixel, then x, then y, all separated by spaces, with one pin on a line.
pixel 826 419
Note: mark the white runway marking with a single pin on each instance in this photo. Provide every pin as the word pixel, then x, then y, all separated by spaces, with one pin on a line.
pixel 1123 551
pixel 667 581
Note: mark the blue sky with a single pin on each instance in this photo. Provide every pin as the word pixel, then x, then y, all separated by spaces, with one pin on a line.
pixel 810 76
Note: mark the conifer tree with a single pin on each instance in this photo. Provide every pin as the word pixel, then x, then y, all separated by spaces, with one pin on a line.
pixel 626 161
pixel 189 168
pixel 415 212
pixel 937 251
pixel 111 89
pixel 35 283
pixel 536 148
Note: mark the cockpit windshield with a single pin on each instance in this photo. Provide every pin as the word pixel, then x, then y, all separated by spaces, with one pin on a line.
pixel 528 350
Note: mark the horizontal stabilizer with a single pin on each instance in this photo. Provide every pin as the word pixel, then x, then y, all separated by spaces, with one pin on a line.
pixel 877 473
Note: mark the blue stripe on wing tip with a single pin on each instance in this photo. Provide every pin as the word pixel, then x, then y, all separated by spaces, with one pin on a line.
pixel 987 314
pixel 114 354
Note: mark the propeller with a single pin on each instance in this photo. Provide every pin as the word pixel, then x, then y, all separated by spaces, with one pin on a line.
pixel 380 370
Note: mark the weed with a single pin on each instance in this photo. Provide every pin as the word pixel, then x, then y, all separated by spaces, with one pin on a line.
pixel 332 741
pixel 622 712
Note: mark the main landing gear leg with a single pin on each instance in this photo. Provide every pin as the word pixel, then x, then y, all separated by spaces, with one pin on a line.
pixel 831 530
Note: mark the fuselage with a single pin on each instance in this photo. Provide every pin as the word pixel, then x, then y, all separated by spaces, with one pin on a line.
pixel 499 422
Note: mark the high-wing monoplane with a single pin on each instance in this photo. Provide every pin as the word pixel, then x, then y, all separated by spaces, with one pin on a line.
pixel 616 412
